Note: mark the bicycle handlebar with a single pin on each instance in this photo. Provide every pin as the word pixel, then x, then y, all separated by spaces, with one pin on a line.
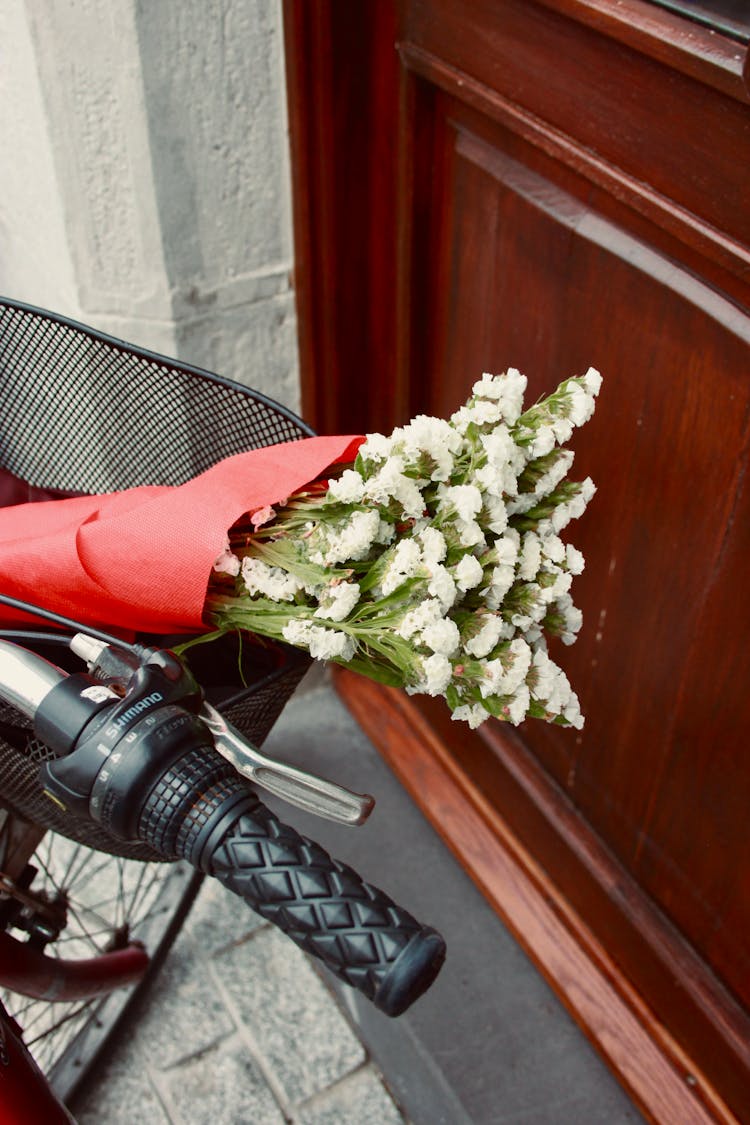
pixel 323 905
pixel 145 767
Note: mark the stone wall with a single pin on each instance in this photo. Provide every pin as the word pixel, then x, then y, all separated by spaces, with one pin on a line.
pixel 145 177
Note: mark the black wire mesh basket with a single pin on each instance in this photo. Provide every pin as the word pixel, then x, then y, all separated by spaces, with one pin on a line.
pixel 82 413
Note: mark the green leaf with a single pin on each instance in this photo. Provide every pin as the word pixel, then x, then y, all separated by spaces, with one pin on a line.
pixel 453 697
pixel 496 704
pixel 381 673
pixel 284 554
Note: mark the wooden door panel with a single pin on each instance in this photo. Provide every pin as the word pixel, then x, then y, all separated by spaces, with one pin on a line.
pixel 551 184
pixel 701 800
pixel 682 152
pixel 536 278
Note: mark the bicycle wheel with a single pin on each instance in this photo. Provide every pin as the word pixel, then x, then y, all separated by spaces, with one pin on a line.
pixel 102 902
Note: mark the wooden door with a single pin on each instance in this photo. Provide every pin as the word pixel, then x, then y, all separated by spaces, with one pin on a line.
pixel 549 185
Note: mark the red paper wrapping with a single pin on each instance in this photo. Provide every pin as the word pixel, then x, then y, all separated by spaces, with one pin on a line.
pixel 140 560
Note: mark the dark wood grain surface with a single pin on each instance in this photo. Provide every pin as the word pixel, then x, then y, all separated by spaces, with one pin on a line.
pixel 551 185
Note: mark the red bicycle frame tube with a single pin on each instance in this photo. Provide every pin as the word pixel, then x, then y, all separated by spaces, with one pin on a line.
pixel 28 972
pixel 25 1095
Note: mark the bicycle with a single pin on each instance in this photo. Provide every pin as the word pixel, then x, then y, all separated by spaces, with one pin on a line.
pixel 140 760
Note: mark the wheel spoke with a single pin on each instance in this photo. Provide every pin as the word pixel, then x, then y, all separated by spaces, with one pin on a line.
pixel 77 937
pixel 84 932
pixel 63 1020
pixel 104 895
pixel 75 852
pixel 136 890
pixel 120 904
pixel 156 879
pixel 153 913
pixel 90 874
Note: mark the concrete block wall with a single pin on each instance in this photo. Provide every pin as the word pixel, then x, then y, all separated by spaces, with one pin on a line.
pixel 145 177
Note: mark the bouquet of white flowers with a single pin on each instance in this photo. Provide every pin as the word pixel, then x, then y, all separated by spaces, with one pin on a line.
pixel 434 561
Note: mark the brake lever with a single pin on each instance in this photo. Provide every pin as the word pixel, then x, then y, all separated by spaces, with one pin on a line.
pixel 305 790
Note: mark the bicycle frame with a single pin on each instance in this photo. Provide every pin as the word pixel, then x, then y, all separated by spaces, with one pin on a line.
pixel 26 1097
pixel 28 971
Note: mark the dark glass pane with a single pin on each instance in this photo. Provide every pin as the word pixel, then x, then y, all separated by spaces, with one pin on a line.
pixel 728 17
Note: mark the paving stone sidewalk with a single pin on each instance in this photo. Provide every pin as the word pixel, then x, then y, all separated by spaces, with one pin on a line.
pixel 237 1029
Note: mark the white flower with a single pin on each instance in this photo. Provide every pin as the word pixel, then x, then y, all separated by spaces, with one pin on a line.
pixel 417 619
pixel 572 712
pixel 348 489
pixel 588 488
pixel 262 516
pixel 505 676
pixel 434 548
pixel 442 586
pixel 351 541
pixel 327 644
pixel 535 603
pixel 485 640
pixel 561 585
pixel 550 685
pixel 404 564
pixel 562 428
pixel 470 533
pixel 544 674
pixel 436 673
pixel 463 499
pixel 376 447
pixel 553 548
pixel 506 549
pixel 592 381
pixel 489 386
pixel 298 631
pixel 543 442
pixel 574 508
pixel 500 582
pixel 473 714
pixel 270 581
pixel 513 386
pixel 389 483
pixel 495 513
pixel 227 562
pixel 534 637
pixel 574 559
pixel 433 436
pixel 492 681
pixel 580 404
pixel 385 534
pixel 521 656
pixel 491 480
pixel 546 484
pixel 573 619
pixel 322 643
pixel 442 636
pixel 468 573
pixel 561 692
pixel 337 601
pixel 519 705
pixel 531 556
pixel 504 462
pixel 499 446
pixel 480 411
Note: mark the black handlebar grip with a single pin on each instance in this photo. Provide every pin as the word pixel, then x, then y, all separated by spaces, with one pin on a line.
pixel 324 906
